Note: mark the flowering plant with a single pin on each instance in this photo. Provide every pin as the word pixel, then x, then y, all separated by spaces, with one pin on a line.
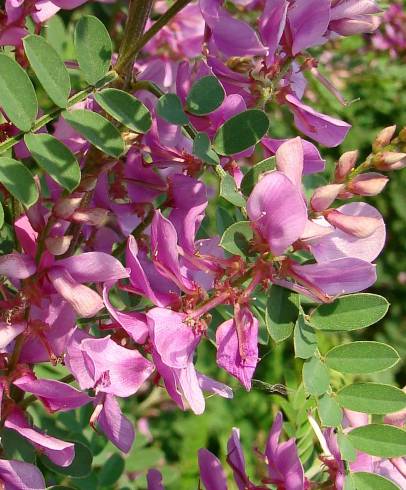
pixel 149 209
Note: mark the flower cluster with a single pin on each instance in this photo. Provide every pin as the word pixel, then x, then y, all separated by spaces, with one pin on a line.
pixel 133 229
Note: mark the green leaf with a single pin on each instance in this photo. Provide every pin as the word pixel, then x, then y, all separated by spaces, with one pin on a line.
pixel 347 450
pixel 49 68
pixel 97 130
pixel 93 48
pixel 373 398
pixel 350 312
pixel 111 470
pixel 372 481
pixel 125 108
pixel 169 107
pixel 241 132
pixel 205 96
pixel 384 441
pixel 330 412
pixel 55 158
pixel 202 149
pixel 18 180
pixel 362 357
pixel 55 34
pixel 316 377
pixel 282 311
pixel 80 467
pixel 229 191
pixel 17 94
pixel 237 237
pixel 305 340
pixel 252 176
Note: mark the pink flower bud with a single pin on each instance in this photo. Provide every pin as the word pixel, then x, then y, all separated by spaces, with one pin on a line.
pixel 358 226
pixel 58 245
pixel 384 138
pixel 324 196
pixel 390 160
pixel 345 164
pixel 369 184
pixel 94 217
pixel 65 207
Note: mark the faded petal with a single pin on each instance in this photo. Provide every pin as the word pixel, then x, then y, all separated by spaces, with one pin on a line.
pixel 278 211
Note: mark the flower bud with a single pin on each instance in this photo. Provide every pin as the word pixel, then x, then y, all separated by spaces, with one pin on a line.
pixel 58 245
pixel 369 184
pixel 384 138
pixel 324 196
pixel 65 207
pixel 94 217
pixel 345 164
pixel 390 160
pixel 358 226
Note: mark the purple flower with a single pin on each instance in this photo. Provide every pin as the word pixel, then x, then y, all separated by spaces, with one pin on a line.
pixel 349 17
pixel 284 466
pixel 237 345
pixel 17 475
pixel 232 37
pixel 278 220
pixel 211 471
pixel 174 343
pixel 339 244
pixel 59 452
pixel 55 395
pixel 312 160
pixel 326 130
pixel 105 366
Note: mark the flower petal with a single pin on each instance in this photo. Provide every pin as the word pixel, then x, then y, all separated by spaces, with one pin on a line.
pixel 278 211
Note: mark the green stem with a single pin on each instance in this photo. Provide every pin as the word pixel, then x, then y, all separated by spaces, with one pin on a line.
pixel 129 52
pixel 46 118
pixel 138 14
